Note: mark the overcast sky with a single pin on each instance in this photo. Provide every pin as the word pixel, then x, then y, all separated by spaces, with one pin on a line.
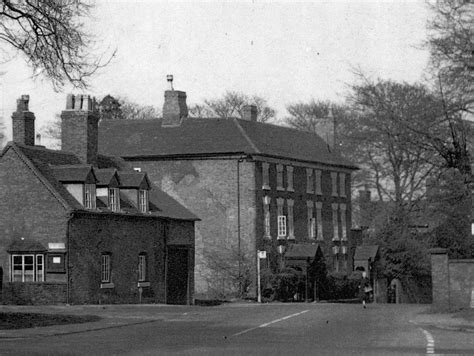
pixel 285 52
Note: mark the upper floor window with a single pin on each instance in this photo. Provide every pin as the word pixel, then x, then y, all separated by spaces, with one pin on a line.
pixel 291 227
pixel 105 268
pixel 143 200
pixel 281 227
pixel 279 168
pixel 114 199
pixel 311 221
pixel 342 184
pixel 317 175
pixel 266 216
pixel 142 267
pixel 265 175
pixel 335 222
pixel 89 196
pixel 319 220
pixel 342 209
pixel 335 252
pixel 309 181
pixel 334 183
pixel 289 178
pixel 27 268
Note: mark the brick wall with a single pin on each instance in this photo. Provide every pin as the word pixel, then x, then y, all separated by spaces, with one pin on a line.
pixel 208 188
pixel 34 293
pixel 452 280
pixel 28 209
pixel 124 238
pixel 461 282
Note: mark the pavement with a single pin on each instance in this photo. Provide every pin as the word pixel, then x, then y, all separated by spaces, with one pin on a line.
pixel 118 316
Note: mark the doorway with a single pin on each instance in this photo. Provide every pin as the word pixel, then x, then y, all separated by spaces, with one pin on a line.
pixel 177 275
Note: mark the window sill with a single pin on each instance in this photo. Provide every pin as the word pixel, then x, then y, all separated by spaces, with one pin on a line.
pixel 107 285
pixel 281 189
pixel 290 190
pixel 143 284
pixel 291 237
pixel 266 187
pixel 281 237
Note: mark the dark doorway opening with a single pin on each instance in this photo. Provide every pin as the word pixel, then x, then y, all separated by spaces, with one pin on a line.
pixel 177 276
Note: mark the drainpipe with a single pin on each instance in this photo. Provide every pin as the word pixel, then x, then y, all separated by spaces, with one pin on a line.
pixel 68 256
pixel 239 161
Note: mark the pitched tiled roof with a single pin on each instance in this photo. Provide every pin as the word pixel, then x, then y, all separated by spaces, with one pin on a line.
pixel 132 138
pixel 105 176
pixel 302 251
pixel 43 161
pixel 366 252
pixel 81 173
pixel 133 179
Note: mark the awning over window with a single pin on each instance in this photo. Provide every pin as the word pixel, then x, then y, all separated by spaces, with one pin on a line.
pixel 26 246
pixel 364 253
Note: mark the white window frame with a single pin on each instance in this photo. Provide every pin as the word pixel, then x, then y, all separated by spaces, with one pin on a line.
pixel 309 181
pixel 105 269
pixel 289 179
pixel 282 228
pixel 114 199
pixel 334 184
pixel 89 196
pixel 37 274
pixel 265 175
pixel 143 200
pixel 279 168
pixel 142 267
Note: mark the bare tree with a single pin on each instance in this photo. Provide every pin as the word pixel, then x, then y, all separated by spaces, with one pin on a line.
pixel 451 43
pixel 51 36
pixel 230 105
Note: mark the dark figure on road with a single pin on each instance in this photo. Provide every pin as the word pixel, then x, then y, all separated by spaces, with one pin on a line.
pixel 365 289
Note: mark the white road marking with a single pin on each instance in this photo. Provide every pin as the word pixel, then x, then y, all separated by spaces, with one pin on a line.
pixel 430 343
pixel 271 322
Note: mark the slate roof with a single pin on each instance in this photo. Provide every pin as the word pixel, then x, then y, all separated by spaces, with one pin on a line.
pixel 138 138
pixel 133 179
pixel 44 164
pixel 366 252
pixel 302 251
pixel 105 176
pixel 80 173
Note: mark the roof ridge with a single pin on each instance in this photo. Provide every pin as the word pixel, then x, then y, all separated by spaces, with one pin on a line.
pixel 247 138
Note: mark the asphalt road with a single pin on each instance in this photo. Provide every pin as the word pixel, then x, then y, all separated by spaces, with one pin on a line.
pixel 271 329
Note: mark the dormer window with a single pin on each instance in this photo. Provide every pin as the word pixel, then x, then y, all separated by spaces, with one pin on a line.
pixel 143 200
pixel 114 199
pixel 89 196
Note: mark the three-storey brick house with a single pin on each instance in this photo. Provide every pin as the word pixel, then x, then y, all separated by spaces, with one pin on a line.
pixel 255 186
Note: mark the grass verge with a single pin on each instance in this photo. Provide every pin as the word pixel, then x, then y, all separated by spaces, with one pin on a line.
pixel 35 320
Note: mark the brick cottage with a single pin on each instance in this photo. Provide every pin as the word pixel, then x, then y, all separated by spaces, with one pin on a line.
pixel 78 227
pixel 255 186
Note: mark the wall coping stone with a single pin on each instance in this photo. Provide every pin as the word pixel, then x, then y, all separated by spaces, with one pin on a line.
pixel 438 251
pixel 467 260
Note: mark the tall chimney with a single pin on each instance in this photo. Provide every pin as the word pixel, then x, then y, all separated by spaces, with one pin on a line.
pixel 23 122
pixel 249 112
pixel 326 128
pixel 174 108
pixel 79 128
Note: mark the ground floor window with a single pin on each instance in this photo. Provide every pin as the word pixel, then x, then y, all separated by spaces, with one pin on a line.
pixel 142 267
pixel 105 268
pixel 27 268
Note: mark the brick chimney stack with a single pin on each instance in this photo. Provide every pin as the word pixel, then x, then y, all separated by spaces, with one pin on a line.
pixel 174 108
pixel 23 122
pixel 249 112
pixel 79 128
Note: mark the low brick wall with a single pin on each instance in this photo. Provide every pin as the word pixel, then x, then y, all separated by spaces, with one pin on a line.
pixel 34 293
pixel 453 280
